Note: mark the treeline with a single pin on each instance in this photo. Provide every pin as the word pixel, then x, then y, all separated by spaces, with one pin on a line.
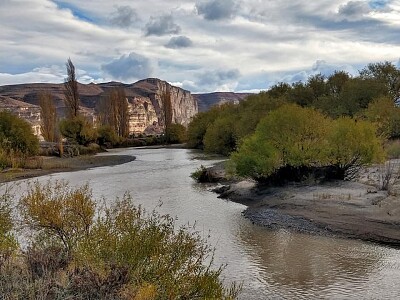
pixel 329 125
pixel 75 249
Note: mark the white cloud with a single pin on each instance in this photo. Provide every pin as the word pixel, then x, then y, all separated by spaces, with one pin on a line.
pixel 263 40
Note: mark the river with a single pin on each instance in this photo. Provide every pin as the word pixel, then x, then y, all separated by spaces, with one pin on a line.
pixel 270 264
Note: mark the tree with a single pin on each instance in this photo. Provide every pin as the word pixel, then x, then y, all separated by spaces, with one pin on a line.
pixel 113 111
pixel 293 142
pixel 78 130
pixel 384 72
pixel 176 133
pixel 71 91
pixel 16 135
pixel 49 117
pixel 353 144
pixel 386 115
pixel 336 81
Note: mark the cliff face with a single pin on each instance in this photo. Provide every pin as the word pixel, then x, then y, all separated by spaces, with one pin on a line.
pixel 183 105
pixel 144 101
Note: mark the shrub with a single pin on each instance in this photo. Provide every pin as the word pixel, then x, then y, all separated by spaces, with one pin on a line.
pixel 220 136
pixel 176 133
pixel 353 143
pixel 8 243
pixel 17 141
pixel 78 130
pixel 107 136
pixel 122 253
pixel 393 149
pixel 294 142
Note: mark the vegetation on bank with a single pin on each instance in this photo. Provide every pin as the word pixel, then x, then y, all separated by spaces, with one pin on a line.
pixel 17 141
pixel 77 249
pixel 327 127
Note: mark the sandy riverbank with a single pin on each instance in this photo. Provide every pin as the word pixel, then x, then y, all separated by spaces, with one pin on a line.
pixel 355 209
pixel 55 165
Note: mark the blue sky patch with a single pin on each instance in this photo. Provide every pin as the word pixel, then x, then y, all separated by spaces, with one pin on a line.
pixel 78 13
pixel 378 4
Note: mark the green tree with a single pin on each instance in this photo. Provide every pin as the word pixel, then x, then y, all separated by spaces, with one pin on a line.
pixel 220 136
pixel 198 126
pixel 16 135
pixel 353 144
pixel 78 130
pixel 386 73
pixel 176 133
pixel 386 115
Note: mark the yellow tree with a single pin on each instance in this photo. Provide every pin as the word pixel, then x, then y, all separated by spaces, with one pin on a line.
pixel 48 116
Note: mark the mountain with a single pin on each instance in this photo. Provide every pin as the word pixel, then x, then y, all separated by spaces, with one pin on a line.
pixel 144 98
pixel 205 101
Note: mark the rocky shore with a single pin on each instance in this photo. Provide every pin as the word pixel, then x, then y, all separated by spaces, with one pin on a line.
pixel 355 209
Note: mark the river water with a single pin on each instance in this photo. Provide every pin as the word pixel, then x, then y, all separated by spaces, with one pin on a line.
pixel 269 264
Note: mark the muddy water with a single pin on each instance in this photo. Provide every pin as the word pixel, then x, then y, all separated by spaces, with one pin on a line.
pixel 270 264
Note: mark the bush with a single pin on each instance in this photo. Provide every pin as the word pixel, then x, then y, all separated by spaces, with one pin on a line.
pixel 393 149
pixel 295 142
pixel 17 141
pixel 176 134
pixel 8 243
pixel 106 136
pixel 353 144
pixel 220 136
pixel 120 252
pixel 78 130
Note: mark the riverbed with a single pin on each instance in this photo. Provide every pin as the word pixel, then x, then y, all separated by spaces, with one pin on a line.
pixel 271 264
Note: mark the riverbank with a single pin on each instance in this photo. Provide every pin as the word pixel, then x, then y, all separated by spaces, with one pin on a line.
pixel 50 165
pixel 354 209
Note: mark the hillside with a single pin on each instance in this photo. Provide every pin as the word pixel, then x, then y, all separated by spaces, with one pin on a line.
pixel 205 101
pixel 144 99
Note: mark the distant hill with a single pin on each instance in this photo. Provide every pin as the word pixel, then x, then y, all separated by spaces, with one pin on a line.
pixel 205 101
pixel 144 98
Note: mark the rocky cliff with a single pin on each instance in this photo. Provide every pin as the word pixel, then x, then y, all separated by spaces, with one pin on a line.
pixel 144 98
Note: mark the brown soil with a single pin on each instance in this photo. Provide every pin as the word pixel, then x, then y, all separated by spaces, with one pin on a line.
pixel 355 209
pixel 55 165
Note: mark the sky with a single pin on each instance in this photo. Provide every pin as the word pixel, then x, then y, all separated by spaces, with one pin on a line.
pixel 201 45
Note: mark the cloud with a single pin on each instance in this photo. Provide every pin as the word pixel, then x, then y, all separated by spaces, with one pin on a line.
pixel 124 16
pixel 128 67
pixel 213 80
pixel 217 9
pixel 218 76
pixel 48 74
pixel 319 67
pixel 161 25
pixel 179 42
pixel 354 10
